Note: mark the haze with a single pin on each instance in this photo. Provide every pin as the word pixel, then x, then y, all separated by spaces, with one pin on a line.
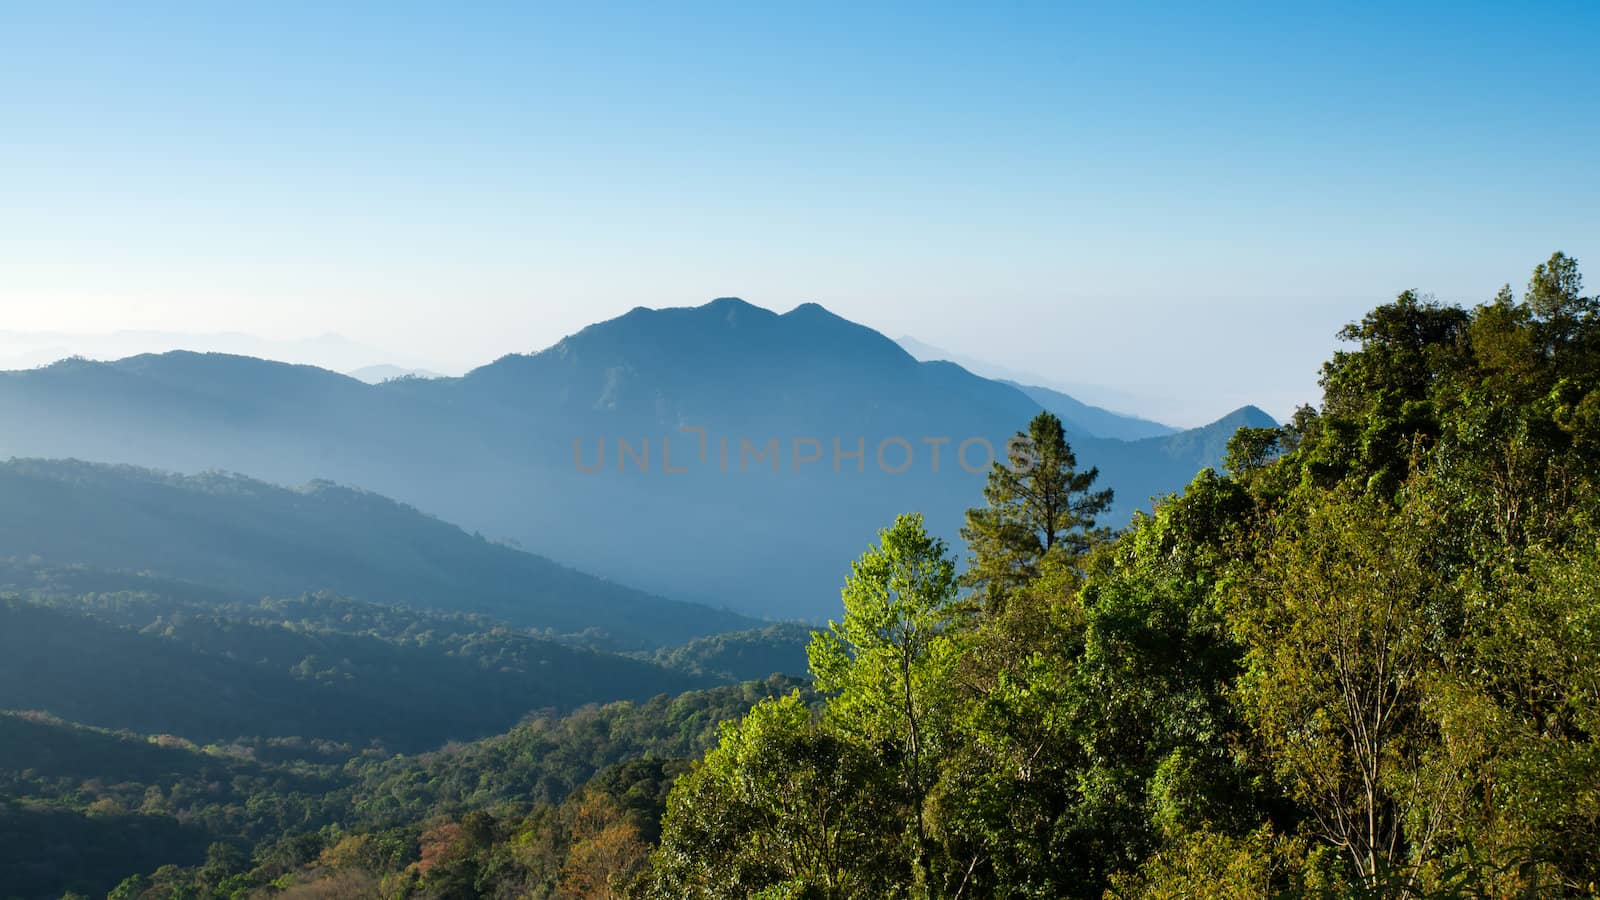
pixel 1176 204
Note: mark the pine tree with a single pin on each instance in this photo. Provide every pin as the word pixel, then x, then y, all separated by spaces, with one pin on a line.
pixel 1038 504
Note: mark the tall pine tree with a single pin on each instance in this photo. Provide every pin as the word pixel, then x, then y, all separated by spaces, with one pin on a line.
pixel 1038 504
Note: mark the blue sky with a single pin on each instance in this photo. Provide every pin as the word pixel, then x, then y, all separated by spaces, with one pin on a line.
pixel 1181 203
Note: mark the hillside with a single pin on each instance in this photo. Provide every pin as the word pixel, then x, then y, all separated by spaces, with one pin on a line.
pixel 318 667
pixel 237 533
pixel 86 809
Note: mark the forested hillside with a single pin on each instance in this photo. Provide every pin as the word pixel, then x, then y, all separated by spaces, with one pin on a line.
pixel 318 667
pixel 96 811
pixel 160 722
pixel 239 534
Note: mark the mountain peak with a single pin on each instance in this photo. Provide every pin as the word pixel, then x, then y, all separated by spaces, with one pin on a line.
pixel 811 308
pixel 734 311
pixel 808 328
pixel 1251 416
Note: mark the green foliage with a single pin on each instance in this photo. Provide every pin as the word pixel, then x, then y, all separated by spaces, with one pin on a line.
pixel 883 662
pixel 548 757
pixel 742 655
pixel 89 806
pixel 783 807
pixel 1342 616
pixel 887 663
pixel 1038 503
pixel 1418 592
pixel 317 667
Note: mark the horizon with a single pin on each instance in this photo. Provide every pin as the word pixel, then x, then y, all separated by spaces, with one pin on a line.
pixel 1183 206
pixel 341 354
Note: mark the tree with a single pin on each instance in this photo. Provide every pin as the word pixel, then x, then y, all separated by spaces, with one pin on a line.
pixel 1376 405
pixel 1038 503
pixel 1223 867
pixel 1250 449
pixel 1341 625
pixel 1151 703
pixel 781 807
pixel 887 662
pixel 1521 718
pixel 1555 295
pixel 1004 806
pixel 606 848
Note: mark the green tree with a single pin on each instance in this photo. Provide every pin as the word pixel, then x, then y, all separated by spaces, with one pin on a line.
pixel 782 807
pixel 1006 803
pixel 1250 449
pixel 887 663
pixel 1555 296
pixel 1518 723
pixel 1342 624
pixel 1037 504
pixel 1151 698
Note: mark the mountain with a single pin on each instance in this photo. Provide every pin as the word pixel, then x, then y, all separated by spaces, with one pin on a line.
pixel 729 436
pixel 381 373
pixel 1211 441
pixel 296 668
pixel 50 842
pixel 25 349
pixel 1081 419
pixel 1099 395
pixel 82 808
pixel 744 655
pixel 236 533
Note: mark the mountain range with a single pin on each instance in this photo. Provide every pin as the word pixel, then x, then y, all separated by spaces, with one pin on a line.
pixel 730 437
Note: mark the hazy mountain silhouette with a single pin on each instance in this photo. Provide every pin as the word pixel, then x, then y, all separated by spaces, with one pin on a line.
pixel 1081 419
pixel 381 373
pixel 495 449
pixel 26 349
pixel 1115 401
pixel 240 534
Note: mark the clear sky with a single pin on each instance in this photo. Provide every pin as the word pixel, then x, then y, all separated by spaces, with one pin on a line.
pixel 1179 202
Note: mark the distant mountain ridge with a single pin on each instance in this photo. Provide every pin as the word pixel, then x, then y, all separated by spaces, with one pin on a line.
pixel 508 447
pixel 26 349
pixel 1080 418
pixel 1115 401
pixel 239 534
pixel 381 373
